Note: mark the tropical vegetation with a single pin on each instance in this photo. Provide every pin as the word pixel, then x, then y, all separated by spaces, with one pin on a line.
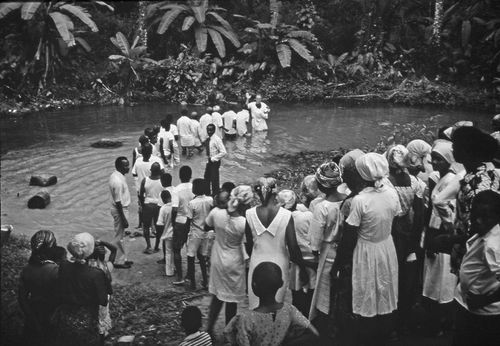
pixel 398 50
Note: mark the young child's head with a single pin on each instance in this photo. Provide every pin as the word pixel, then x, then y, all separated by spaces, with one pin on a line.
pixel 221 199
pixel 185 174
pixel 485 212
pixel 191 319
pixel 166 179
pixel 266 280
pixel 228 186
pixel 165 196
pixel 199 187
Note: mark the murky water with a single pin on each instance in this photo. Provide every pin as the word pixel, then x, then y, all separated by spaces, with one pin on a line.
pixel 59 143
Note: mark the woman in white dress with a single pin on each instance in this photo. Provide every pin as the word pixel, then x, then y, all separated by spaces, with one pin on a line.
pixel 227 269
pixel 302 292
pixel 324 235
pixel 375 264
pixel 270 237
pixel 439 282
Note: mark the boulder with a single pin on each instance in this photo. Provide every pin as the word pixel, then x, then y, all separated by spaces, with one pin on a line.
pixel 106 143
pixel 43 180
pixel 6 230
pixel 39 201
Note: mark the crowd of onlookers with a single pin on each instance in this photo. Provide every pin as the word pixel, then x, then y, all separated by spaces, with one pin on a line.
pixel 367 239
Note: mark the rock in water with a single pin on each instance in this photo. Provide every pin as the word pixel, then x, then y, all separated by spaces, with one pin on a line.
pixel 39 201
pixel 43 180
pixel 106 143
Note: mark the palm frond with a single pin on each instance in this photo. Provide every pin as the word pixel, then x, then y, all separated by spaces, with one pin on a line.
pixel 218 42
pixel 64 25
pixel 167 19
pixel 230 35
pixel 201 34
pixel 300 49
pixel 121 42
pixel 188 21
pixel 29 9
pixel 82 14
pixel 7 7
pixel 284 54
pixel 221 20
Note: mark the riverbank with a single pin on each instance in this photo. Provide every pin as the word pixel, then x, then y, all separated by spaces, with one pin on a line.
pixel 411 92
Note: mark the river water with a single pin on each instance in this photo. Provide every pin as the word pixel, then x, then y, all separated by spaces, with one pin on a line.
pixel 59 143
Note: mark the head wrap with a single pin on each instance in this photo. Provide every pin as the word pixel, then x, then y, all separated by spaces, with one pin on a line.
pixel 287 198
pixel 445 149
pixel 42 240
pixel 216 108
pixel 242 194
pixel 373 167
pixel 348 161
pixel 496 121
pixel 418 153
pixel 265 187
pixel 81 246
pixel 309 186
pixel 328 175
pixel 396 156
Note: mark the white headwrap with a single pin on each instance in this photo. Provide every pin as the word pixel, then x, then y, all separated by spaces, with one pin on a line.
pixel 396 156
pixel 81 246
pixel 216 108
pixel 445 149
pixel 242 194
pixel 287 198
pixel 373 167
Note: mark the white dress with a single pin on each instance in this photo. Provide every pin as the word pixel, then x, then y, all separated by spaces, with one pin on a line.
pixel 324 237
pixel 375 264
pixel 439 282
pixel 227 262
pixel 269 245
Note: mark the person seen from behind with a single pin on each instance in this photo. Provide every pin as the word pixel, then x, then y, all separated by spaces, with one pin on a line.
pixel 191 323
pixel 165 231
pixel 149 194
pixel 271 322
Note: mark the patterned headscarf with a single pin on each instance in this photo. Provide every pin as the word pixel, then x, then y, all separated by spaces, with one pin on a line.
pixel 42 240
pixel 287 198
pixel 348 161
pixel 242 194
pixel 81 247
pixel 328 175
pixel 373 167
pixel 396 156
pixel 265 187
pixel 418 151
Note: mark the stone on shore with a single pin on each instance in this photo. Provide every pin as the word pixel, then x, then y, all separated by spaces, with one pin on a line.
pixel 39 201
pixel 106 143
pixel 43 180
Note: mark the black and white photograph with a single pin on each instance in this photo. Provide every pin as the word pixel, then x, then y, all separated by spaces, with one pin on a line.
pixel 250 173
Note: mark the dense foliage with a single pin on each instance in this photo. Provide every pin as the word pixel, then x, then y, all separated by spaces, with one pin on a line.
pixel 323 47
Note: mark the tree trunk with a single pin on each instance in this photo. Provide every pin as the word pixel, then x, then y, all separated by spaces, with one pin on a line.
pixel 437 23
pixel 142 31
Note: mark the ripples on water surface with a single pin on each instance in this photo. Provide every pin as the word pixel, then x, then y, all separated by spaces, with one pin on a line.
pixel 59 143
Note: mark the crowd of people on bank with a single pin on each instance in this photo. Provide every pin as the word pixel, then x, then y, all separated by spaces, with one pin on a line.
pixel 367 239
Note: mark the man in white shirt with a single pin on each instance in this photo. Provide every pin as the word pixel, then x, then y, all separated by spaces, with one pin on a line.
pixel 259 112
pixel 205 119
pixel 215 152
pixel 142 166
pixel 120 201
pixel 184 196
pixel 185 126
pixel 478 293
pixel 166 144
pixel 196 131
pixel 175 133
pixel 218 122
pixel 229 119
pixel 242 119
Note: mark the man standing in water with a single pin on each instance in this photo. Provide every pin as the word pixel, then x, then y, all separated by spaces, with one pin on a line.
pixel 259 112
pixel 120 201
pixel 215 151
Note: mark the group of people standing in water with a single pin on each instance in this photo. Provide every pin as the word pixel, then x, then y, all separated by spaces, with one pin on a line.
pixel 366 240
